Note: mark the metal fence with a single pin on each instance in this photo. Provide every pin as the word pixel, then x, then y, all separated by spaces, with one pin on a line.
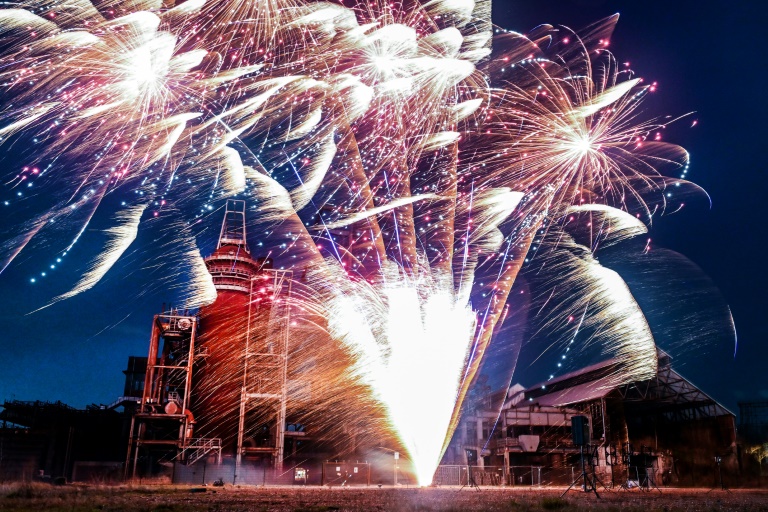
pixel 525 476
pixel 362 473
pixel 487 475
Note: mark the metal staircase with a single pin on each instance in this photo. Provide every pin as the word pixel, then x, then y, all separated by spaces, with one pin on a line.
pixel 199 448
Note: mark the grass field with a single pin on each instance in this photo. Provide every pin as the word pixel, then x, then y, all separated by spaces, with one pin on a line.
pixel 81 498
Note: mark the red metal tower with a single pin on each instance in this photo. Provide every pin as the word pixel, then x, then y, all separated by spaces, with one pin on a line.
pixel 240 383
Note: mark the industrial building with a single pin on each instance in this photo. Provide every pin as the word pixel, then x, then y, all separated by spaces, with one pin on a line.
pixel 51 441
pixel 663 431
pixel 220 397
pixel 215 382
pixel 753 422
pixel 660 431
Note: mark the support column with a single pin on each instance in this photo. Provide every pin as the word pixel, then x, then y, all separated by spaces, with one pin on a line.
pixel 479 442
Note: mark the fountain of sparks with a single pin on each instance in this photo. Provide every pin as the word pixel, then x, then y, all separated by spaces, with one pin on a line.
pixel 409 334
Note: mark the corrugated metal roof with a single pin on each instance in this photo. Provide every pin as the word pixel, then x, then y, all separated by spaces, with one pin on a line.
pixel 579 393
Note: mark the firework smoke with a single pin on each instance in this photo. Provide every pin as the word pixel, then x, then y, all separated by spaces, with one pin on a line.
pixel 379 163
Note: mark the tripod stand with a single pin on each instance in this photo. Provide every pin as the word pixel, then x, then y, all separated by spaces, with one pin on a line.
pixel 721 487
pixel 471 483
pixel 648 481
pixel 589 482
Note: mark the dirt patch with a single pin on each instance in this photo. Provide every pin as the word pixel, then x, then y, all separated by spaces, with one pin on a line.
pixel 25 497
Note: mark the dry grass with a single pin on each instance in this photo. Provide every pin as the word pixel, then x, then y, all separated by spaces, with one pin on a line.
pixel 79 498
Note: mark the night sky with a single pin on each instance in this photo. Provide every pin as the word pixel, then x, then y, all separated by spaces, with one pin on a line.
pixel 707 57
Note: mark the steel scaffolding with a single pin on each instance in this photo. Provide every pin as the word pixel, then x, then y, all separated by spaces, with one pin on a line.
pixel 164 404
pixel 265 370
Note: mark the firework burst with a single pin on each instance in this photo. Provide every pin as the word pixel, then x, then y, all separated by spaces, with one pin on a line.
pixel 379 161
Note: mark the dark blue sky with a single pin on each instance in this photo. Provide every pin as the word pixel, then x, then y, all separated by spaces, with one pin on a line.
pixel 706 56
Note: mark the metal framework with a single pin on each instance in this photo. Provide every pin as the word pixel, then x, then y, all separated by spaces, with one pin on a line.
pixel 753 424
pixel 162 418
pixel 265 370
pixel 233 225
pixel 673 396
